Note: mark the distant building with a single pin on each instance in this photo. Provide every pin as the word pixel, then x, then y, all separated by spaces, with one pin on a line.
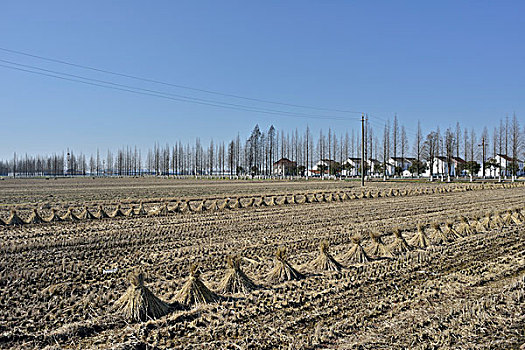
pixel 323 167
pixel 501 165
pixel 350 167
pixel 505 163
pixel 441 166
pixel 284 167
pixel 402 164
pixel 459 166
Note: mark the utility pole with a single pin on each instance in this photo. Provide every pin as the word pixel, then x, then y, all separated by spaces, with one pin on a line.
pixel 366 145
pixel 483 156
pixel 362 150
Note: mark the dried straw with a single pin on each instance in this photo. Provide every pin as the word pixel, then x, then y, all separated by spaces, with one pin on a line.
pixel 101 213
pixel 420 239
pixel 35 218
pixel 195 291
pixel 400 245
pixel 70 216
pixel 141 210
pixel 118 213
pixel 283 271
pixel 14 219
pixel 325 261
pixel 464 227
pixel 86 215
pixel 235 280
pixel 139 303
pixel 378 248
pixel 54 216
pixel 438 235
pixel 451 232
pixel 356 254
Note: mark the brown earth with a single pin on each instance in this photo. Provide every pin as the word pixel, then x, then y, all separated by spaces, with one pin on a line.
pixel 469 293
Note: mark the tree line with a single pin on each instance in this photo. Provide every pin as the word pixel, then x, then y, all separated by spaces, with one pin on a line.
pixel 256 154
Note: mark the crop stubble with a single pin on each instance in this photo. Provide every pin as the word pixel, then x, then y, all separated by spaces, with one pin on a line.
pixel 53 288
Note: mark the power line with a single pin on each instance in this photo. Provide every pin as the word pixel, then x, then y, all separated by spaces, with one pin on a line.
pixel 182 97
pixel 125 88
pixel 174 85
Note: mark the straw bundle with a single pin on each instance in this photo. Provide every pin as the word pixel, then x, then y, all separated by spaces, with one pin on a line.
pixel 476 224
pixel 248 204
pixel 54 216
pixel 14 219
pixel 283 271
pixel 263 202
pixel 233 203
pixel 130 212
pixel 356 254
pixel 438 235
pixel 378 248
pixel 139 303
pixel 70 216
pixel 518 214
pixel 35 218
pixel 141 210
pixel 420 240
pixel 86 215
pixel 118 212
pixel 451 233
pixel 400 245
pixel 101 213
pixel 199 208
pixel 464 227
pixel 235 280
pixel 497 220
pixel 517 217
pixel 486 222
pixel 325 261
pixel 183 206
pixel 195 291
pixel 163 210
pixel 307 198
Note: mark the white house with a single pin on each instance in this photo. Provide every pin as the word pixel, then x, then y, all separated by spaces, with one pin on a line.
pixel 458 164
pixel 350 167
pixel 502 165
pixel 441 166
pixel 505 164
pixel 400 163
pixel 323 167
pixel 374 167
pixel 284 167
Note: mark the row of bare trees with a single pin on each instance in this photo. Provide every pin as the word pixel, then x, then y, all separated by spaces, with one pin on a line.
pixel 256 154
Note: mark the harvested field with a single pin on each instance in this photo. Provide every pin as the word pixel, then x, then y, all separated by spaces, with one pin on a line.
pixel 60 281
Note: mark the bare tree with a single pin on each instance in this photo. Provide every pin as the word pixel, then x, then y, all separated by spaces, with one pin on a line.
pixel 431 149
pixel 395 138
pixel 404 143
pixel 515 141
pixel 450 145
pixel 418 147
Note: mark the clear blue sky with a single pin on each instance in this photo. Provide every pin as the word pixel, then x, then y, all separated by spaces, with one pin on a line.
pixel 437 61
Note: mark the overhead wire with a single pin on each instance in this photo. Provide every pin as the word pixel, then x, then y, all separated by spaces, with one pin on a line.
pixel 161 94
pixel 174 85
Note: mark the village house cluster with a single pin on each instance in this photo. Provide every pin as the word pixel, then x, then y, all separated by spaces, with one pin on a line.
pixel 499 166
